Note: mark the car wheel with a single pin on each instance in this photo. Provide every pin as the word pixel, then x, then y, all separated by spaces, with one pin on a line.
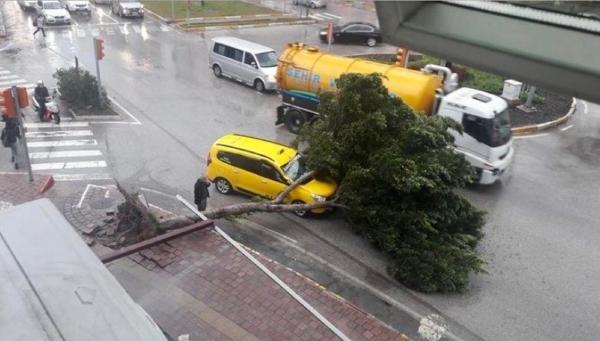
pixel 259 85
pixel 223 186
pixel 300 213
pixel 217 71
pixel 294 120
pixel 371 42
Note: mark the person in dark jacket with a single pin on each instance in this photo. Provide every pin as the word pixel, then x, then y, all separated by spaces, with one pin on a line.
pixel 12 135
pixel 39 23
pixel 201 193
pixel 41 93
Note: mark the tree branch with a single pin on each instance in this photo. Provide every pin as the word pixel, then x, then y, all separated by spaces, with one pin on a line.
pixel 267 206
pixel 279 199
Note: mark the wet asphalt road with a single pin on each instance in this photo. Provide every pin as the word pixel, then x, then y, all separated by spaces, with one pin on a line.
pixel 541 236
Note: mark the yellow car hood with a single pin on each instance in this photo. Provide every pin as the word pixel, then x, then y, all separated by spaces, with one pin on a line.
pixel 322 187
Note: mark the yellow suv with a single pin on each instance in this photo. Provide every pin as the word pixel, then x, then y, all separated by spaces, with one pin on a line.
pixel 265 168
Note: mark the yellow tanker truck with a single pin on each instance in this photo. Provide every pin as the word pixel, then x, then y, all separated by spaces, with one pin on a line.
pixel 304 72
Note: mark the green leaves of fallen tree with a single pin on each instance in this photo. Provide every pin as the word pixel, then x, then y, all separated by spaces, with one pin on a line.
pixel 398 175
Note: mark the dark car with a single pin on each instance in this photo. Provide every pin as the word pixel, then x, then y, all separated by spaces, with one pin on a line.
pixel 353 33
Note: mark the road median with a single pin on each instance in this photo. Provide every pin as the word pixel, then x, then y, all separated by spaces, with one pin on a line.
pixel 535 128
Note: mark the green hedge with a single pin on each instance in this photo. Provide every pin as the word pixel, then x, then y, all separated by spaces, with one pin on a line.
pixel 79 88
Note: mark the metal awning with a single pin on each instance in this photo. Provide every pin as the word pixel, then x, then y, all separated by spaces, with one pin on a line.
pixel 544 48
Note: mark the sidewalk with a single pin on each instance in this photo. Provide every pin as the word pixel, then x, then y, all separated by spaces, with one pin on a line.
pixel 16 189
pixel 202 286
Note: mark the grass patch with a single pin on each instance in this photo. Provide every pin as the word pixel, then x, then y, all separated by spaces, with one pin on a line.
pixel 210 8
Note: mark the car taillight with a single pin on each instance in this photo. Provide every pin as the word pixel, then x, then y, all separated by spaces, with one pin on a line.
pixel 208 160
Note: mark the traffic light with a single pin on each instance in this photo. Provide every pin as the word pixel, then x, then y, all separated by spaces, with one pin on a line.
pixel 23 97
pixel 7 104
pixel 99 48
pixel 401 57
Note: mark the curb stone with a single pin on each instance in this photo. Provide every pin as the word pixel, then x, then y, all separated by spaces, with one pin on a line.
pixel 225 27
pixel 534 128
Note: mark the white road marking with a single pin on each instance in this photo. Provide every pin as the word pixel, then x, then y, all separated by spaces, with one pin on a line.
pixel 567 127
pixel 164 28
pixel 137 29
pixel 65 154
pixel 68 165
pixel 95 32
pixel 62 143
pixel 28 85
pixel 316 17
pixel 124 29
pixel 58 133
pixel 4 72
pixel 9 76
pixel 530 136
pixel 124 110
pixel 87 188
pixel 81 177
pixel 13 82
pixel 156 192
pixel 53 125
pixel 80 33
pixel 327 14
pixel 109 31
pixel 585 107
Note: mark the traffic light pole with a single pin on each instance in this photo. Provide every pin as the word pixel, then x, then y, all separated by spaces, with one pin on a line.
pixel 99 83
pixel 23 138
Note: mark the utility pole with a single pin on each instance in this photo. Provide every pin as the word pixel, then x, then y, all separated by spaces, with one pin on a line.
pixel 23 139
pixel 173 9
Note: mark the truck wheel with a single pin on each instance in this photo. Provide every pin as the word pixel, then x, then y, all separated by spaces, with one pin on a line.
pixel 294 120
pixel 371 42
pixel 217 71
pixel 223 186
pixel 259 85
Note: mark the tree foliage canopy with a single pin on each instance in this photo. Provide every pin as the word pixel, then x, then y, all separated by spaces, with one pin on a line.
pixel 398 175
pixel 79 88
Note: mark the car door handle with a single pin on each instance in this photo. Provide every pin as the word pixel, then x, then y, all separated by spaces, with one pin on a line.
pixel 236 172
pixel 263 181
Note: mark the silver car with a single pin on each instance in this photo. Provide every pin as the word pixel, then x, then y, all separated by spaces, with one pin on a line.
pixel 244 61
pixel 311 3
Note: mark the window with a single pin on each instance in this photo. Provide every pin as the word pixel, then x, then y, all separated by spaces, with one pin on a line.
pixel 240 161
pixel 269 172
pixel 359 28
pixel 232 53
pixel 493 132
pixel 267 59
pixel 219 49
pixel 249 59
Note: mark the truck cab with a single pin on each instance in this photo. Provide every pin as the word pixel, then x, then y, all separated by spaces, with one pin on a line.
pixel 486 141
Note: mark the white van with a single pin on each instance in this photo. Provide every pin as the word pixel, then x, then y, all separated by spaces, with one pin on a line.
pixel 244 61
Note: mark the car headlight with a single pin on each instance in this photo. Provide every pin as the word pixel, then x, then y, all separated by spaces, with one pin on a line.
pixel 271 78
pixel 323 33
pixel 318 197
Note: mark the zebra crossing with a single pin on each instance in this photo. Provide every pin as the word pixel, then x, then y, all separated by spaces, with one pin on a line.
pixel 67 151
pixel 143 29
pixel 8 79
pixel 324 16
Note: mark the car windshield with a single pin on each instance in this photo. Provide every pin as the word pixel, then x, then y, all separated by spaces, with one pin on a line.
pixel 267 59
pixel 52 5
pixel 295 168
pixel 499 129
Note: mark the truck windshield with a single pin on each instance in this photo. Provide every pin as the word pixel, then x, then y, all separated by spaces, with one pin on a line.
pixel 295 168
pixel 267 59
pixel 500 131
pixel 493 132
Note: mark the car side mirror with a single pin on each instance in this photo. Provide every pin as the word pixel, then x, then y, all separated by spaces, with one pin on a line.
pixel 254 65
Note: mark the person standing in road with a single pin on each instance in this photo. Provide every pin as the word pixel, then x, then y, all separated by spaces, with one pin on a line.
pixel 10 137
pixel 39 23
pixel 201 193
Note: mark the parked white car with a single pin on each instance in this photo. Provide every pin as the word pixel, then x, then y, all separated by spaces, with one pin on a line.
pixel 78 6
pixel 311 3
pixel 53 12
pixel 127 8
pixel 26 4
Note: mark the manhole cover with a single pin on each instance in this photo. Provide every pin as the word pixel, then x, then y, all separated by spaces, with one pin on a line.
pixel 587 149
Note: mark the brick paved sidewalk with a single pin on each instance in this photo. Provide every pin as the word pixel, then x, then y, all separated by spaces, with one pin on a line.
pixel 202 286
pixel 16 189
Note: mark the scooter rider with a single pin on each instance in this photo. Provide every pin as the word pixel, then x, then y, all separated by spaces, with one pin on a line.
pixel 41 93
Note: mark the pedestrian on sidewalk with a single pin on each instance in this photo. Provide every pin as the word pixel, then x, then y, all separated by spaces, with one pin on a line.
pixel 10 137
pixel 39 23
pixel 201 192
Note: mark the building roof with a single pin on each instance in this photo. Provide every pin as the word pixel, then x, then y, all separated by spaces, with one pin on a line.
pixel 55 288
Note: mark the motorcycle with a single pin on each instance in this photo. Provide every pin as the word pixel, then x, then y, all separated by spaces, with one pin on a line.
pixel 52 111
